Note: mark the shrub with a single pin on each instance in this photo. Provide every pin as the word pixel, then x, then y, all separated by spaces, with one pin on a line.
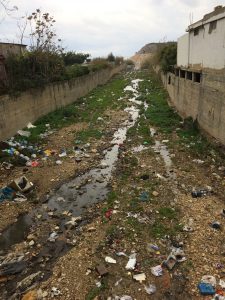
pixel 71 58
pixel 75 71
pixel 98 64
pixel 111 57
pixel 167 57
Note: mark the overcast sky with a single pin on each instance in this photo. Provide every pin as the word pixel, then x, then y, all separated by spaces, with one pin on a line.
pixel 121 26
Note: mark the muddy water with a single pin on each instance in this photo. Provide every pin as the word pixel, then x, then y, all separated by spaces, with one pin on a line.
pixel 164 153
pixel 73 197
pixel 76 195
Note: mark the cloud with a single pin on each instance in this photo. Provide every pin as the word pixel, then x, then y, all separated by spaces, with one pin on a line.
pixel 121 26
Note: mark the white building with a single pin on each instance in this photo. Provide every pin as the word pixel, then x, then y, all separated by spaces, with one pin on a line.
pixel 204 45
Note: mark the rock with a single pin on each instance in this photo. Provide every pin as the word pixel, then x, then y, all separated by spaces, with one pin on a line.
pixel 155 194
pixel 31 243
pixel 30 237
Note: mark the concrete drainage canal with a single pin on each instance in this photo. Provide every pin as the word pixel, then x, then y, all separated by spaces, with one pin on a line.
pixel 71 206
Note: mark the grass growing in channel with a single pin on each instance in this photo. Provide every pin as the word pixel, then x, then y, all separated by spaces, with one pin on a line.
pixel 162 116
pixel 86 109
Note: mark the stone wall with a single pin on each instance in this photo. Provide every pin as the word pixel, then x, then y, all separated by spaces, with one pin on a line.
pixel 17 112
pixel 204 101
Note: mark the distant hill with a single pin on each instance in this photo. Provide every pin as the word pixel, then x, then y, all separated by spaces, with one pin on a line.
pixel 152 47
pixel 147 52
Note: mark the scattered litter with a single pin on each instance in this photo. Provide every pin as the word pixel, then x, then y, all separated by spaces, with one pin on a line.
pixel 152 247
pixel 110 260
pixel 7 166
pixel 170 262
pixel 73 221
pixel 21 184
pixel 157 271
pixel 209 279
pixel 6 193
pixel 58 162
pixel 30 125
pixel 24 133
pixel 125 297
pixel 222 283
pixel 206 288
pixel 144 196
pixel 198 161
pixel 189 226
pixel 216 225
pixel 98 284
pixel 53 237
pixel 121 254
pixel 108 213
pixel 55 292
pixel 63 154
pixel 151 289
pixel 131 262
pixel 118 281
pixel 178 253
pixel 201 192
pixel 140 277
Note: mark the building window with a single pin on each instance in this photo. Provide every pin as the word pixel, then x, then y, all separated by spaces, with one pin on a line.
pixel 212 26
pixel 182 74
pixel 189 75
pixel 197 77
pixel 196 31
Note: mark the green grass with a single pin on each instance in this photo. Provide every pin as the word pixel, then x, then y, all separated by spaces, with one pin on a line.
pixel 95 291
pixel 86 109
pixel 85 135
pixel 167 212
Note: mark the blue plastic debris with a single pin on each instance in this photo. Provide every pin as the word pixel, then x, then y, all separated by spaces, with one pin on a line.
pixel 144 196
pixel 6 193
pixel 206 288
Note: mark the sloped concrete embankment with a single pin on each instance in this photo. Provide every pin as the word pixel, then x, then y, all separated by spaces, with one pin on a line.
pixel 16 112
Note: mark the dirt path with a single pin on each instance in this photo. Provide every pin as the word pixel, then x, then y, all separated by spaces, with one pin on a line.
pixel 128 195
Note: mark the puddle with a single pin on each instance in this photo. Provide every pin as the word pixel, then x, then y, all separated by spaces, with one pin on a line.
pixel 16 232
pixel 76 195
pixel 79 195
pixel 164 152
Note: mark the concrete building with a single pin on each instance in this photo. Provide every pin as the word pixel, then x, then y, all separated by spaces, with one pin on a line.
pixel 203 46
pixel 10 48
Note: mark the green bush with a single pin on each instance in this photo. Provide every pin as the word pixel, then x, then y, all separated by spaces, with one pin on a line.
pixel 33 69
pixel 75 71
pixel 98 64
pixel 168 57
pixel 71 58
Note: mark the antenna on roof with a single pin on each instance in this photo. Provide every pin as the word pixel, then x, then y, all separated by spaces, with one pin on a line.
pixel 191 17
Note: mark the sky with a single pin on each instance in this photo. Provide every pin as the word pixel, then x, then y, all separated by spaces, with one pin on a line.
pixel 99 27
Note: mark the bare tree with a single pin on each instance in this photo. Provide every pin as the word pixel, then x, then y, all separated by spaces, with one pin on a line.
pixel 22 26
pixel 7 9
pixel 43 36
